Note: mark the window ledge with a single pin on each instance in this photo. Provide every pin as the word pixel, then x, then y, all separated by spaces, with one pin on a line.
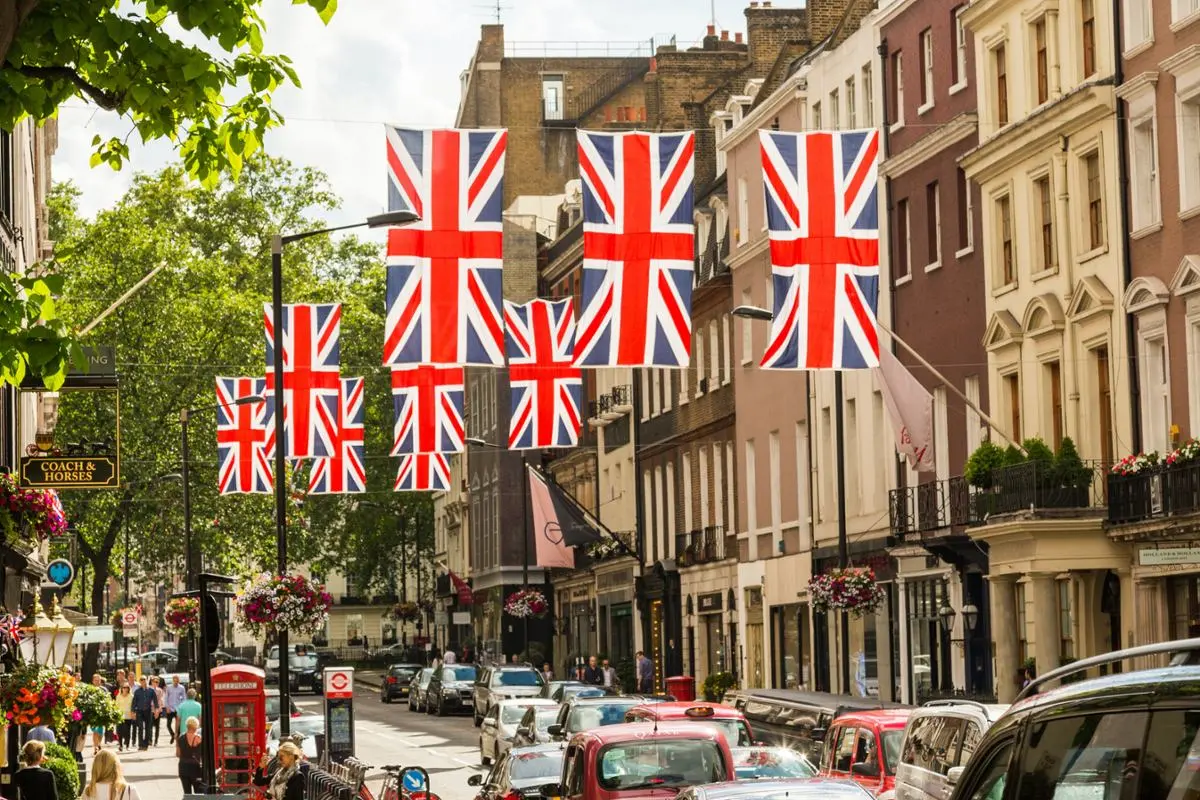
pixel 922 110
pixel 1095 252
pixel 1146 230
pixel 932 267
pixel 896 126
pixel 1183 22
pixel 746 362
pixel 1046 273
pixel 1188 213
pixel 964 252
pixel 1139 48
pixel 1003 290
pixel 958 87
pixel 903 279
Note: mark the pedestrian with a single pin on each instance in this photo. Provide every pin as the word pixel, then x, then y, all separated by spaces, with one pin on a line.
pixel 288 782
pixel 34 781
pixel 547 672
pixel 145 703
pixel 645 673
pixel 108 780
pixel 580 669
pixel 189 708
pixel 592 673
pixel 173 696
pixel 448 657
pixel 41 733
pixel 159 711
pixel 116 687
pixel 187 750
pixel 125 729
pixel 610 674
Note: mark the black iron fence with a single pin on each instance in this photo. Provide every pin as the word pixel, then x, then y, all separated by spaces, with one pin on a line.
pixel 701 546
pixel 1155 492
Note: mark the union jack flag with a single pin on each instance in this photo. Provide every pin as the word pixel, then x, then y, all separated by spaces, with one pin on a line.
pixel 311 352
pixel 423 472
pixel 824 233
pixel 429 409
pixel 638 249
pixel 443 276
pixel 343 472
pixel 547 389
pixel 241 439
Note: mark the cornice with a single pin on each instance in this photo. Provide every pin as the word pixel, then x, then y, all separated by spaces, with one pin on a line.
pixel 931 144
pixel 748 252
pixel 787 92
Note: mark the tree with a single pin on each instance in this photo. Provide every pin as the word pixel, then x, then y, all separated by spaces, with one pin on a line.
pixel 122 57
pixel 34 342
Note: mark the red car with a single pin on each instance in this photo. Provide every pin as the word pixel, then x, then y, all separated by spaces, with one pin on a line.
pixel 864 746
pixel 641 762
pixel 729 721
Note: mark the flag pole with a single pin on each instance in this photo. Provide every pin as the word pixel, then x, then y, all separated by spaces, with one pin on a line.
pixel 950 385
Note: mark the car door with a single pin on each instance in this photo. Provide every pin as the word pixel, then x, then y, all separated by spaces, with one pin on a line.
pixel 526 728
pixel 480 692
pixel 488 731
pixel 988 777
pixel 865 768
pixel 494 786
pixel 574 768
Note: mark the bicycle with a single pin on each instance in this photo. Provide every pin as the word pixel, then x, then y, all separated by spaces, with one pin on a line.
pixel 392 788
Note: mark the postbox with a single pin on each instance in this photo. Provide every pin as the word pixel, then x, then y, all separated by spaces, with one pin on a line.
pixel 239 702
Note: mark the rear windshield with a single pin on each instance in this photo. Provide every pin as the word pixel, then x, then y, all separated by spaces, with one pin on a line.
pixel 512 714
pixel 458 674
pixel 583 718
pixel 403 672
pixel 671 762
pixel 519 677
pixel 535 765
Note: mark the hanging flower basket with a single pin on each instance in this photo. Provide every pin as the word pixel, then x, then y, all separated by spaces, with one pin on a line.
pixel 293 602
pixel 1132 465
pixel 182 615
pixel 852 589
pixel 97 707
pixel 607 547
pixel 406 612
pixel 34 514
pixel 526 603
pixel 32 694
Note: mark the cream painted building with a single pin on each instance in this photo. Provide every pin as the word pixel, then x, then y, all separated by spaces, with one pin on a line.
pixel 1052 232
pixel 451 551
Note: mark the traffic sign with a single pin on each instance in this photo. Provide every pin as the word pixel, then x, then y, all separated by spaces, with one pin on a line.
pixel 129 618
pixel 59 573
pixel 413 780
pixel 339 682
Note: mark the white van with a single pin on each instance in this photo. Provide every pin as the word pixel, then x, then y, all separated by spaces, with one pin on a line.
pixel 940 735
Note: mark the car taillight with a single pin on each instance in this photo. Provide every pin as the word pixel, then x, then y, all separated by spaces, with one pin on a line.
pixel 513 794
pixel 391 678
pixel 295 714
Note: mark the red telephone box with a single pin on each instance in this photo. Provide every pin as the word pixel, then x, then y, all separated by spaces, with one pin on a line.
pixel 240 724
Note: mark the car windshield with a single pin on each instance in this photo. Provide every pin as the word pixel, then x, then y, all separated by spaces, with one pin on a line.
pixel 737 734
pixel 425 677
pixel 518 677
pixel 511 715
pixel 666 762
pixel 458 674
pixel 545 717
pixel 892 740
pixel 583 717
pixel 770 762
pixel 402 672
pixel 303 661
pixel 527 766
pixel 305 726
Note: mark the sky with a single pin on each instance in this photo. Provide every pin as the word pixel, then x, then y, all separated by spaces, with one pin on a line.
pixel 380 61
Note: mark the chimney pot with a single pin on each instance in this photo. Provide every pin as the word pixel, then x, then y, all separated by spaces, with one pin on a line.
pixel 724 36
pixel 754 3
pixel 712 30
pixel 737 37
pixel 766 3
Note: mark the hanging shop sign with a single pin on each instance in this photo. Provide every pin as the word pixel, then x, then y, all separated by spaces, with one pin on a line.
pixel 69 472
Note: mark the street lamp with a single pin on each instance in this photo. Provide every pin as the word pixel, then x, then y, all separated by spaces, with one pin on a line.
pixel 756 313
pixel 46 639
pixel 278 241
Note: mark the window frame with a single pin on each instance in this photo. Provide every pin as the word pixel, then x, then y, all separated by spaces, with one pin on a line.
pixel 1095 210
pixel 960 75
pixel 867 79
pixel 1006 256
pixel 1040 46
pixel 1002 102
pixel 896 89
pixel 966 205
pixel 1089 53
pixel 927 58
pixel 1045 222
pixel 903 242
pixel 933 225
pixel 851 103
pixel 1145 36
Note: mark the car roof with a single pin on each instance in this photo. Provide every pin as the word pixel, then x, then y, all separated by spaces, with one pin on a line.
pixel 600 700
pixel 936 708
pixel 551 747
pixel 636 731
pixel 886 718
pixel 812 699
pixel 794 787
pixel 525 702
pixel 407 666
pixel 509 668
pixel 678 710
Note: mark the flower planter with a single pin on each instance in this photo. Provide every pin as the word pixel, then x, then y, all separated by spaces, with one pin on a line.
pixel 525 603
pixel 293 602
pixel 853 590
pixel 182 615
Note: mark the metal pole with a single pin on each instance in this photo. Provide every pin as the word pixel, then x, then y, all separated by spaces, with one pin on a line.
pixel 525 540
pixel 206 704
pixel 125 644
pixel 280 474
pixel 189 568
pixel 843 544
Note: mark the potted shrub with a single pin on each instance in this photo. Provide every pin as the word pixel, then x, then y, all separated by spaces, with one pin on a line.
pixel 716 684
pixel 987 458
pixel 1073 477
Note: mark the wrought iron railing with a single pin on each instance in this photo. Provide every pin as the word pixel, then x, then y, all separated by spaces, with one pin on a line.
pixel 702 546
pixel 931 506
pixel 1155 492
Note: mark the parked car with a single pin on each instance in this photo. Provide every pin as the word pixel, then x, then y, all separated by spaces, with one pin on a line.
pixel 451 689
pixel 550 687
pixel 520 772
pixel 390 652
pixel 534 727
pixel 307 726
pixel 419 689
pixel 271 663
pixel 500 725
pixel 1101 738
pixel 272 706
pixel 729 721
pixel 864 746
pixel 585 713
pixel 500 683
pixel 760 762
pixel 306 672
pixel 791 789
pixel 157 662
pixel 397 681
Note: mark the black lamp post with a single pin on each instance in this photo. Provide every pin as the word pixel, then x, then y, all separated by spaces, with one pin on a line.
pixel 390 219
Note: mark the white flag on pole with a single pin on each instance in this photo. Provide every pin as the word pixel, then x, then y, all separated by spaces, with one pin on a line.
pixel 910 408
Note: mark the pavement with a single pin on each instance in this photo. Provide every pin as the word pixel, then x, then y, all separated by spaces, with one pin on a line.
pixel 448 747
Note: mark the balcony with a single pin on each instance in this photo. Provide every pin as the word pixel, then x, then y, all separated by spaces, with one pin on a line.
pixel 704 546
pixel 1155 493
pixel 929 507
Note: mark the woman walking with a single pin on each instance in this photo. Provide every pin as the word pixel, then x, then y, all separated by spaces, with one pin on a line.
pixel 187 750
pixel 33 780
pixel 288 782
pixel 125 729
pixel 108 781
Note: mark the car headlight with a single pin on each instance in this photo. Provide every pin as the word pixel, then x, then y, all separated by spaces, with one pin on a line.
pixel 446 690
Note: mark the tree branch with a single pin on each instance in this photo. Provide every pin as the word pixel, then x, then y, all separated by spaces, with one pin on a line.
pixel 101 97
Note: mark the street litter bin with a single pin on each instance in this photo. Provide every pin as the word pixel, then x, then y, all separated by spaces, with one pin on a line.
pixel 682 687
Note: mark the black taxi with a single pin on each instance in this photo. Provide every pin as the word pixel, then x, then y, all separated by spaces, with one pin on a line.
pixel 1124 736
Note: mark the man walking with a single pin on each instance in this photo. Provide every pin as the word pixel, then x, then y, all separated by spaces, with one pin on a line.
pixel 592 674
pixel 187 709
pixel 610 674
pixel 645 673
pixel 145 703
pixel 175 694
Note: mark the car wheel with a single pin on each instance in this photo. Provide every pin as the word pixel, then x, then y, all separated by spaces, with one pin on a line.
pixel 384 697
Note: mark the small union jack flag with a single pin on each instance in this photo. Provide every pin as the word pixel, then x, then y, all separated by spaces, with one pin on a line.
pixel 638 249
pixel 429 409
pixel 547 390
pixel 343 472
pixel 241 438
pixel 823 220
pixel 311 354
pixel 423 472
pixel 443 275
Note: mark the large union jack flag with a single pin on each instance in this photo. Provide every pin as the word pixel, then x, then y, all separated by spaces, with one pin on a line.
pixel 429 409
pixel 547 389
pixel 443 277
pixel 824 232
pixel 343 472
pixel 311 352
pixel 638 249
pixel 241 438
pixel 423 472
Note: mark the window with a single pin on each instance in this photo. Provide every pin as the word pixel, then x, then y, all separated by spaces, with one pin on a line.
pixel 974 422
pixel 1089 753
pixel 1144 160
pixel 685 475
pixel 868 98
pixel 1189 152
pixel 747 331
pixel 7 178
pixel 933 224
pixel 958 66
pixel 743 220
pixel 1054 406
pixel 1104 401
pixel 552 97
pixel 1185 8
pixel 903 240
pixel 816 117
pixel 655 392
pixel 700 362
pixel 966 210
pixel 1000 67
pixel 1156 385
pixel 834 111
pixel 774 467
pixel 926 68
pixel 843 752
pixel 714 356
pixel 1087 28
pixel 896 96
pixel 1008 269
pixel 1042 59
pixel 1095 200
pixel 1045 211
pixel 645 394
pixel 1137 22
pixel 993 777
pixel 1066 646
pixel 751 488
pixel 1022 629
pixel 1012 398
pixel 1173 736
pixel 851 105
pixel 726 351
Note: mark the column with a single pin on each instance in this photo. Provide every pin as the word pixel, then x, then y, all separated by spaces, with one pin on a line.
pixel 1003 614
pixel 1150 603
pixel 1043 592
pixel 905 661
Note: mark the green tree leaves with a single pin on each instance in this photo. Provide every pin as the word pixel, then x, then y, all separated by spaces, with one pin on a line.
pixel 33 340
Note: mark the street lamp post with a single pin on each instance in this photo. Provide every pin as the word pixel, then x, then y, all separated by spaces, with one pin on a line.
pixel 278 242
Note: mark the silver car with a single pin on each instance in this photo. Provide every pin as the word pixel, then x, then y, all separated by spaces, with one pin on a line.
pixel 500 725
pixel 940 736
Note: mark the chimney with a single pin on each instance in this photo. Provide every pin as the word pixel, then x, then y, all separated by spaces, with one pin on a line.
pixel 766 3
pixel 724 36
pixel 737 37
pixel 754 3
pixel 712 30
